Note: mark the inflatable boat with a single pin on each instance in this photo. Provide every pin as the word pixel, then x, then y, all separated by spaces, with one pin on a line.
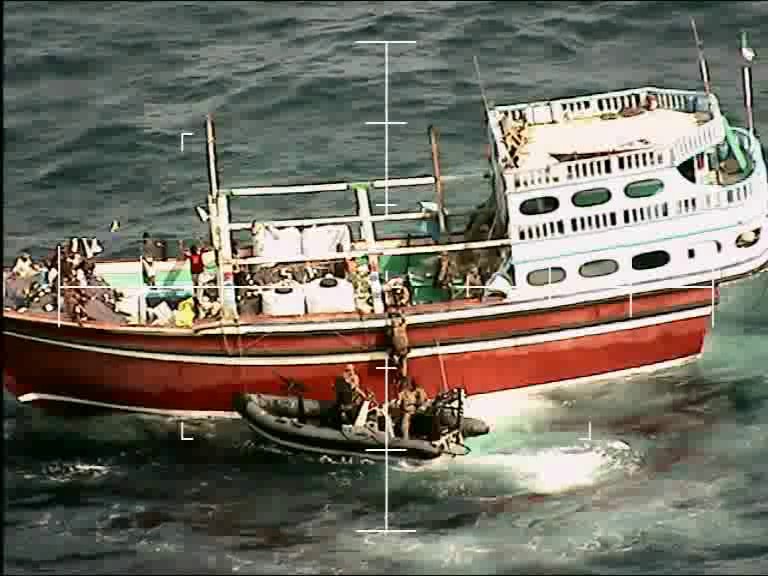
pixel 311 426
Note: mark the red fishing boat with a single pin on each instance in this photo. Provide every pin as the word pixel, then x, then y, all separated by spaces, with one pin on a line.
pixel 610 224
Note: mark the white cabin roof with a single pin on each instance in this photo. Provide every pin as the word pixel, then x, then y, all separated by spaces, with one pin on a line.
pixel 549 143
pixel 539 135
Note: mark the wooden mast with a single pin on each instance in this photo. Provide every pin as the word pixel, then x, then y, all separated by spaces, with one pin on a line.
pixel 220 233
pixel 434 140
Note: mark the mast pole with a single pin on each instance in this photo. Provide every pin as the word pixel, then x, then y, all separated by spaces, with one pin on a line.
pixel 434 139
pixel 749 54
pixel 702 61
pixel 221 237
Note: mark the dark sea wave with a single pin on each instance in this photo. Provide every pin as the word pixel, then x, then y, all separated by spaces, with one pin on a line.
pixel 95 98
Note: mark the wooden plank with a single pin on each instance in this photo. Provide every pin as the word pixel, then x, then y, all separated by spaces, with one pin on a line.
pixel 299 189
pixel 399 182
pixel 326 187
pixel 400 216
pixel 434 137
pixel 364 210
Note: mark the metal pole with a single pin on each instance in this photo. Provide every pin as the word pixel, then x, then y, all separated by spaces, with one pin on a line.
pixel 747 73
pixel 749 54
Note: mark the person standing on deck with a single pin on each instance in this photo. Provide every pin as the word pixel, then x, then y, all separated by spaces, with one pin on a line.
pixel 196 266
pixel 148 260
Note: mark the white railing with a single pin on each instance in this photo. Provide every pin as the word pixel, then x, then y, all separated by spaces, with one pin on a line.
pixel 697 140
pixel 612 102
pixel 579 106
pixel 589 169
pixel 699 200
pixel 692 199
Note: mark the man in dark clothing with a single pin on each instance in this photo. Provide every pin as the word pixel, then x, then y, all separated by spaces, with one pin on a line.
pixel 349 395
pixel 148 260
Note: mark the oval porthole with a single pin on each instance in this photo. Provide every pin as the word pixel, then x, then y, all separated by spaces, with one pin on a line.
pixel 747 239
pixel 546 276
pixel 541 205
pixel 650 260
pixel 593 197
pixel 598 268
pixel 644 188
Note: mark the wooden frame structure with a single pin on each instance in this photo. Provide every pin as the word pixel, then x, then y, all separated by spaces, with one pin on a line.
pixel 221 228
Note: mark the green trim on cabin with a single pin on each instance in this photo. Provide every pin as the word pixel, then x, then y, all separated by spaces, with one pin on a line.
pixel 735 146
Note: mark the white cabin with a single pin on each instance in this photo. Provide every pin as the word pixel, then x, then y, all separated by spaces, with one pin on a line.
pixel 637 187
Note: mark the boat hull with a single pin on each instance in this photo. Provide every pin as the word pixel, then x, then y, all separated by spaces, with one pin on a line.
pixel 83 366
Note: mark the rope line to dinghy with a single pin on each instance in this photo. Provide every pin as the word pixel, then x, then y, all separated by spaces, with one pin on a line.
pixel 239 350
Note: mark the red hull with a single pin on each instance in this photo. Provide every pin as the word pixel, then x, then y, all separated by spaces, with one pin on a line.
pixel 146 373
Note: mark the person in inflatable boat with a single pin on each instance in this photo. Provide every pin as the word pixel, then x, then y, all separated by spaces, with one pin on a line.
pixel 349 395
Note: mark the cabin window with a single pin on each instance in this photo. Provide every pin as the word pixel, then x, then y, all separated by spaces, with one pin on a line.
pixel 644 188
pixel 598 268
pixel 650 260
pixel 593 197
pixel 546 276
pixel 542 205
pixel 747 239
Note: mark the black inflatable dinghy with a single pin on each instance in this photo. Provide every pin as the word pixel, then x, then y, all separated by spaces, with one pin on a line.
pixel 310 426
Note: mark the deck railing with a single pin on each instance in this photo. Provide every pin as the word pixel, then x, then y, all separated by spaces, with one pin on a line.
pixel 614 102
pixel 589 169
pixel 695 199
pixel 695 141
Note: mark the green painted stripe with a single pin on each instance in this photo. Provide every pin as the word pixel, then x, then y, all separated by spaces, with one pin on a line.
pixel 621 246
pixel 133 280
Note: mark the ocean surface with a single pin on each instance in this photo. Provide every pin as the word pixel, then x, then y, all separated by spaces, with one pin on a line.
pixel 654 474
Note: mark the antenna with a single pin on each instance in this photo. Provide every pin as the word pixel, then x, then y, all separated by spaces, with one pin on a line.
pixel 482 88
pixel 702 60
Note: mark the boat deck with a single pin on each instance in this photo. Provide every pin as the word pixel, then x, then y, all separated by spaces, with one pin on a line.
pixel 174 283
pixel 541 145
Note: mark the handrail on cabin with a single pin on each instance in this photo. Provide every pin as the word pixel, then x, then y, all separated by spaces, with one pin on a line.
pixel 698 139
